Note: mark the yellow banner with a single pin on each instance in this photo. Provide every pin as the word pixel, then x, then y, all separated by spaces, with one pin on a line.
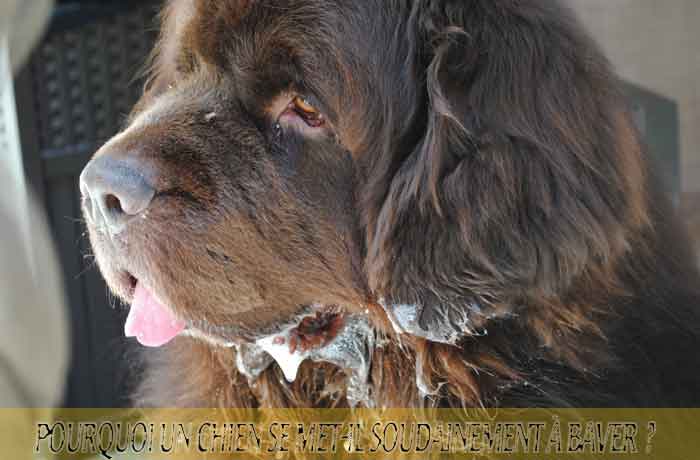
pixel 351 434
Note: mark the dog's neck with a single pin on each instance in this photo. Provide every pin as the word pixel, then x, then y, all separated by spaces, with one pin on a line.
pixel 351 350
pixel 354 345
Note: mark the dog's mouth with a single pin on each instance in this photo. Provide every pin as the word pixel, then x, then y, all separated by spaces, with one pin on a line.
pixel 154 323
pixel 319 333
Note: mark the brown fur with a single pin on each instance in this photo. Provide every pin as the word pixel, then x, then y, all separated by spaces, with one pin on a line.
pixel 480 153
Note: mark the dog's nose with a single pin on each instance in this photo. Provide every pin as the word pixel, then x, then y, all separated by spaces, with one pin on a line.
pixel 114 191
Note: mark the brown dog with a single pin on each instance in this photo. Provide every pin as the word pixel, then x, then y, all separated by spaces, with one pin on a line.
pixel 402 203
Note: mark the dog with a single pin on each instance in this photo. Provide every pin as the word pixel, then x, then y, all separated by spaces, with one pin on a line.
pixel 405 203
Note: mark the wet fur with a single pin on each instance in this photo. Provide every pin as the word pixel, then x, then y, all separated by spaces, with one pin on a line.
pixel 484 155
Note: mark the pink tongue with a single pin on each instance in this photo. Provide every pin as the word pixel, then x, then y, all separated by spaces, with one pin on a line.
pixel 151 322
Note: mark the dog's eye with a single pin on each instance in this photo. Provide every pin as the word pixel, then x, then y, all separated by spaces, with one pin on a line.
pixel 299 114
pixel 306 111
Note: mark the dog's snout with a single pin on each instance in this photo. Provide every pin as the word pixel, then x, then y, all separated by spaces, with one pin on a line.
pixel 114 190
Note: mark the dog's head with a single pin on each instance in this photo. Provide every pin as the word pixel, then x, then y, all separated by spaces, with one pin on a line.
pixel 453 158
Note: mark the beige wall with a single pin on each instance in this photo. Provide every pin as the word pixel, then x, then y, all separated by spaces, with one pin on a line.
pixel 656 43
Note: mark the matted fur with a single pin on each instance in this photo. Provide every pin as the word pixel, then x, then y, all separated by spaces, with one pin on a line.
pixel 481 154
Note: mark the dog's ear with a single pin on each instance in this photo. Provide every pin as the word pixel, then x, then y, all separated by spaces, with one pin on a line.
pixel 528 177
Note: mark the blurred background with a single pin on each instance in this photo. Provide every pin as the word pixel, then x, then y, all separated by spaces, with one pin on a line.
pixel 656 45
pixel 79 83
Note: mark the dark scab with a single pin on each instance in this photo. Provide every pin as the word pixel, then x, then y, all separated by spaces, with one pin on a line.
pixel 219 257
pixel 427 317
